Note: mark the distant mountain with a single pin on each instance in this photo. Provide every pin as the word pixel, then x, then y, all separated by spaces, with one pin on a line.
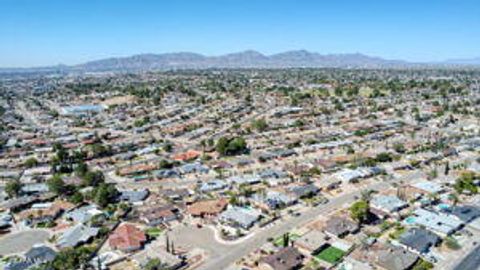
pixel 245 59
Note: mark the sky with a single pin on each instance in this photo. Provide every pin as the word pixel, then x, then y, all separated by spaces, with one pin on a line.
pixel 51 32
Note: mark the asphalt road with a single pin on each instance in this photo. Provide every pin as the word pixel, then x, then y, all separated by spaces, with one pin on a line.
pixel 21 241
pixel 471 262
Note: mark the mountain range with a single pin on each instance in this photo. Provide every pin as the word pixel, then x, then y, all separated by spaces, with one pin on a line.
pixel 245 59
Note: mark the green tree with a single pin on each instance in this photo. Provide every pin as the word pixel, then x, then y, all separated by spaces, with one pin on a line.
pixel 399 148
pixel 384 157
pixel 452 243
pixel 466 183
pixel 422 265
pixel 155 264
pixel 447 168
pixel 71 258
pixel 168 147
pixel 31 162
pixel 236 146
pixel 359 211
pixel 76 198
pixel 105 194
pixel 260 124
pixel 81 169
pixel 57 185
pixel 13 188
pixel 221 146
pixel 93 179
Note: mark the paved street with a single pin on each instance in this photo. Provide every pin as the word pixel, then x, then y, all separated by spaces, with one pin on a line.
pixel 22 241
pixel 471 262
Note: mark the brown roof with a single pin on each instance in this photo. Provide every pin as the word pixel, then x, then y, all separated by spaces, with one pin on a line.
pixel 56 208
pixel 286 259
pixel 157 212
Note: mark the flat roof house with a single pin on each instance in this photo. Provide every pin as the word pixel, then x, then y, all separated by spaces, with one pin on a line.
pixel 419 240
pixel 439 223
pixel 311 242
pixel 384 205
pixel 240 217
pixel 340 226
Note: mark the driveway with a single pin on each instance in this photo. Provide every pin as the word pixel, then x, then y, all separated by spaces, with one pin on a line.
pixel 22 241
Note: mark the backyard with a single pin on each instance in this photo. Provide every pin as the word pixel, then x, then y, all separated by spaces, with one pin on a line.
pixel 331 255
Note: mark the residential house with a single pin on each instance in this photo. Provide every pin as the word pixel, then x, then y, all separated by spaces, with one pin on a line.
pixel 288 258
pixel 439 223
pixel 304 191
pixel 36 188
pixel 271 199
pixel 213 185
pixel 244 180
pixel 186 156
pixel 76 235
pixel 426 188
pixel 154 215
pixel 240 217
pixel 136 169
pixel 83 214
pixel 419 240
pixel 339 226
pixel 465 213
pixel 127 238
pixel 44 213
pixel 209 208
pixel 311 242
pixel 195 167
pixel 166 173
pixel 386 256
pixel 36 256
pixel 176 195
pixel 134 196
pixel 384 205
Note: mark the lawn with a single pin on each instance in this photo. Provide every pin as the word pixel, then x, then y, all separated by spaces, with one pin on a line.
pixel 153 232
pixel 397 232
pixel 330 255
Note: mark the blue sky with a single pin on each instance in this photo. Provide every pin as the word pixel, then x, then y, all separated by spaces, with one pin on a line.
pixel 49 32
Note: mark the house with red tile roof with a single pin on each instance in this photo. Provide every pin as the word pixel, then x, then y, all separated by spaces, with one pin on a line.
pixel 127 238
pixel 189 155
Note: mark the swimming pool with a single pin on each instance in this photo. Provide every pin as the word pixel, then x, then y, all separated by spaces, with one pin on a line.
pixel 410 220
pixel 444 206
